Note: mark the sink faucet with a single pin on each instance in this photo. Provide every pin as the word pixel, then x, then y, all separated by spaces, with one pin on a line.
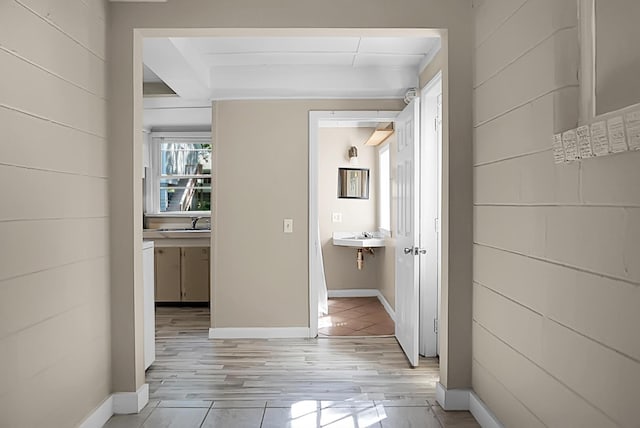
pixel 367 235
pixel 194 222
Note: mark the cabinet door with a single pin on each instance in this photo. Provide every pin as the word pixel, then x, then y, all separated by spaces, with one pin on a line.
pixel 195 274
pixel 167 261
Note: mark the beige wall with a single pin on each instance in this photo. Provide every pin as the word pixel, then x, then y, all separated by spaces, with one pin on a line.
pixel 456 224
pixel 261 179
pixel 557 247
pixel 54 226
pixel 276 267
pixel 358 215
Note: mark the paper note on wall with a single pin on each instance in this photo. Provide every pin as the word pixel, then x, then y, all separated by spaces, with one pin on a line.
pixel 617 138
pixel 558 150
pixel 584 142
pixel 633 129
pixel 599 139
pixel 570 143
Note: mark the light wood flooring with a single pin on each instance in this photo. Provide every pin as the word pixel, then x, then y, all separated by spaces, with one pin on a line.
pixel 355 316
pixel 297 383
pixel 190 366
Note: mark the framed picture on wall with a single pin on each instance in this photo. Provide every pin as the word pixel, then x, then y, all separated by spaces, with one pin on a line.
pixel 353 183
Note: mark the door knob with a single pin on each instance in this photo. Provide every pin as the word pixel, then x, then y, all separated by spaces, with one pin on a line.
pixel 415 251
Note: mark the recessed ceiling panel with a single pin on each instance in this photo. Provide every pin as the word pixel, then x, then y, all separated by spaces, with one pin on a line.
pixel 397 45
pixel 218 45
pixel 310 81
pixel 290 58
pixel 387 60
pixel 288 67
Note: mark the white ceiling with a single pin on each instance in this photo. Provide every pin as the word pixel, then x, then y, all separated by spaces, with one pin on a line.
pixel 288 67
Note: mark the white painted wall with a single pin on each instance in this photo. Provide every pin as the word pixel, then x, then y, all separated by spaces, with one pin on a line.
pixel 556 247
pixel 55 335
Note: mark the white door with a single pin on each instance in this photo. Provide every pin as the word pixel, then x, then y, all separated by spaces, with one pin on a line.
pixel 430 107
pixel 407 253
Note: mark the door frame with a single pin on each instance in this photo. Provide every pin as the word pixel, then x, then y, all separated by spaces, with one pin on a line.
pixel 430 313
pixel 315 117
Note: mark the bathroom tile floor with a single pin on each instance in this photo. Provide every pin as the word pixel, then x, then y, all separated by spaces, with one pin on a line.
pixel 355 316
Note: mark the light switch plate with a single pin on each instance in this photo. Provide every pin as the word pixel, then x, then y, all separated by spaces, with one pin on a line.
pixel 336 217
pixel 288 225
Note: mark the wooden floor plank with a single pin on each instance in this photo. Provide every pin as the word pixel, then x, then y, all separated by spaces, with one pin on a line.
pixel 190 366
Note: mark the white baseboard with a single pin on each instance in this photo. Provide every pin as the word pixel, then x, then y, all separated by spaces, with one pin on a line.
pixel 117 403
pixel 481 412
pixel 100 415
pixel 452 399
pixel 131 402
pixel 355 292
pixel 387 306
pixel 364 292
pixel 466 399
pixel 258 332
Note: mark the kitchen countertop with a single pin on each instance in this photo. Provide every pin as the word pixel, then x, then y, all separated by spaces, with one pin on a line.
pixel 178 237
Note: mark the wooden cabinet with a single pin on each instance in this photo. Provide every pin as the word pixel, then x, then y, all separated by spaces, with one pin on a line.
pixel 167 272
pixel 182 274
pixel 195 274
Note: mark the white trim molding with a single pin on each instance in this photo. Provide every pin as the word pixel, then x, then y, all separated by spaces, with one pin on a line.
pixel 355 292
pixel 117 403
pixel 466 399
pixel 100 415
pixel 452 399
pixel 131 402
pixel 316 117
pixel 365 292
pixel 258 332
pixel 481 412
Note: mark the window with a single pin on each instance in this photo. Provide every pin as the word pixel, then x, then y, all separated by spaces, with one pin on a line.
pixel 384 168
pixel 609 69
pixel 180 173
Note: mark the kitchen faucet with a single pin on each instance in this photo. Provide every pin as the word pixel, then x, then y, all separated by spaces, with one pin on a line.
pixel 194 222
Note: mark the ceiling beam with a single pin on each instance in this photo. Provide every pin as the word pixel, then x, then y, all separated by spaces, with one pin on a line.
pixel 166 60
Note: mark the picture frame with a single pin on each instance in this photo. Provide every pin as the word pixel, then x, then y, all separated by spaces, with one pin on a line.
pixel 353 183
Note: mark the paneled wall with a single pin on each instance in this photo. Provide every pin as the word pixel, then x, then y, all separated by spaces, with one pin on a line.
pixel 54 262
pixel 556 247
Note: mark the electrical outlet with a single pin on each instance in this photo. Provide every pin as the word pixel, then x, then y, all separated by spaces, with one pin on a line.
pixel 336 217
pixel 288 225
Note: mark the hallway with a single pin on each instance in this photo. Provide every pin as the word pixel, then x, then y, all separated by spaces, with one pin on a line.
pixel 342 382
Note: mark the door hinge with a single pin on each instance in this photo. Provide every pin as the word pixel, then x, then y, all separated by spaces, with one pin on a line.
pixel 435 222
pixel 435 325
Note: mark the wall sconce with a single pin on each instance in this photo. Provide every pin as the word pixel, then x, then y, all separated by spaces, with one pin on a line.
pixel 353 155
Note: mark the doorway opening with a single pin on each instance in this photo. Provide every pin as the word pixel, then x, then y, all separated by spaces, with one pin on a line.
pixel 355 316
pixel 385 256
pixel 356 282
